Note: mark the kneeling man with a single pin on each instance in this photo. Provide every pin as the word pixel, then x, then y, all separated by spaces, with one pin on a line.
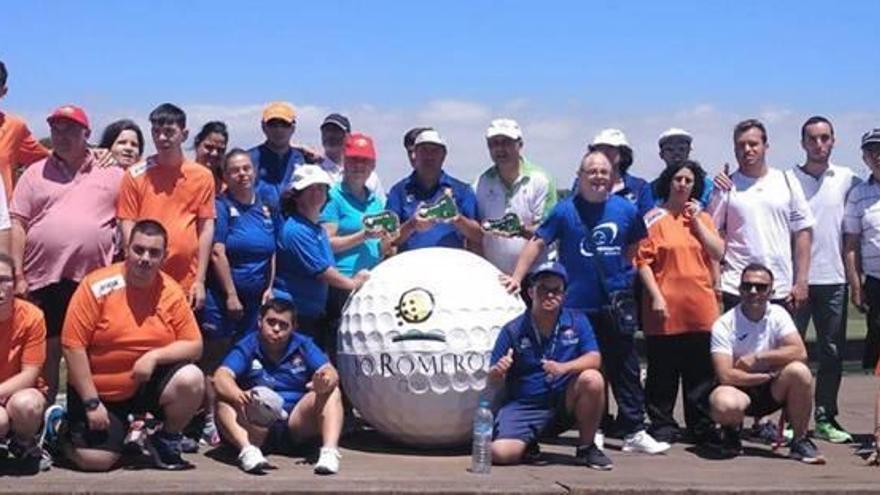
pixel 22 354
pixel 291 365
pixel 550 361
pixel 130 339
pixel 759 358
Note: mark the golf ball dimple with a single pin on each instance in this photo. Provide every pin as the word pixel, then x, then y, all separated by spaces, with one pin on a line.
pixel 415 342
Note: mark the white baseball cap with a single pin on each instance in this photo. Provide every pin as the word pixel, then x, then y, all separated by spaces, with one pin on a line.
pixel 306 175
pixel 429 136
pixel 610 137
pixel 504 127
pixel 674 132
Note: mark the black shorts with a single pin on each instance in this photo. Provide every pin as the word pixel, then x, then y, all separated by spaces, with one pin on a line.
pixel 762 401
pixel 53 299
pixel 146 399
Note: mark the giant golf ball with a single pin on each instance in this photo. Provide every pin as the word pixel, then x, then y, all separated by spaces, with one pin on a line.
pixel 415 343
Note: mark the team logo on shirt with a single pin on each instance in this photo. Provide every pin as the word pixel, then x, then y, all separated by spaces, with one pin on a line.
pixel 569 337
pixel 256 365
pixel 297 364
pixel 233 211
pixel 602 237
pixel 107 285
pixel 416 305
pixel 525 343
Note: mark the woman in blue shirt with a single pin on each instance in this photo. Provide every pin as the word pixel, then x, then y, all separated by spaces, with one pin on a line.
pixel 306 267
pixel 354 247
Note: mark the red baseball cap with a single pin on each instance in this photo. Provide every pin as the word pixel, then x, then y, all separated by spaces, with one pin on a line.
pixel 70 112
pixel 359 145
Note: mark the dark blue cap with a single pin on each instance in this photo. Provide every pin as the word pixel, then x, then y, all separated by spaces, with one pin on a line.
pixel 551 267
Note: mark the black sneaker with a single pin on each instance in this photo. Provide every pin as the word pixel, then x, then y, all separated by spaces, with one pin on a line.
pixel 31 459
pixel 804 450
pixel 731 444
pixel 594 458
pixel 164 449
pixel 532 455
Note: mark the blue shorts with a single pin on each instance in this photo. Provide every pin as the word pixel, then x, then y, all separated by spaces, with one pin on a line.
pixel 530 419
pixel 216 325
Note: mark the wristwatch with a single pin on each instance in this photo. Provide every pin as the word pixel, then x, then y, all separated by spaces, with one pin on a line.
pixel 92 404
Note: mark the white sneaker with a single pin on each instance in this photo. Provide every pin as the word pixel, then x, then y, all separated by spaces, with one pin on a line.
pixel 251 460
pixel 328 461
pixel 642 441
pixel 599 440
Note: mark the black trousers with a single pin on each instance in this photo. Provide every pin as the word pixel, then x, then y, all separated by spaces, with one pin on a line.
pixel 674 359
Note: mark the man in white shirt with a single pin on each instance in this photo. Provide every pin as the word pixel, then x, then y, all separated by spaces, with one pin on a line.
pixel 511 185
pixel 861 227
pixel 759 357
pixel 761 215
pixel 825 187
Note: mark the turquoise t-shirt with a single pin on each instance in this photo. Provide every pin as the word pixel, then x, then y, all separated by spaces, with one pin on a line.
pixel 347 212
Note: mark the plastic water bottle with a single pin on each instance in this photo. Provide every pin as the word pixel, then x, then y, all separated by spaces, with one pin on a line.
pixel 481 455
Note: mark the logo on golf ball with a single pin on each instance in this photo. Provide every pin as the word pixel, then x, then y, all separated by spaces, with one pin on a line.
pixel 415 306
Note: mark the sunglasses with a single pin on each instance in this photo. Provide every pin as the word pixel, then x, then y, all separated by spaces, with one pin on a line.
pixel 757 286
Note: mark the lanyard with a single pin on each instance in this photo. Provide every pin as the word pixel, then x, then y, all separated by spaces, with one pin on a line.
pixel 540 340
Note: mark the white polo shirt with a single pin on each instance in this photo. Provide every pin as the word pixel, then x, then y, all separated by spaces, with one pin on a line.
pixel 373 183
pixel 737 336
pixel 826 196
pixel 758 217
pixel 531 197
pixel 862 217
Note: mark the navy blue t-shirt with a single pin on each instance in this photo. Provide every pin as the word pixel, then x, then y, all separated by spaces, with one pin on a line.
pixel 304 252
pixel 288 377
pixel 405 197
pixel 571 338
pixel 248 231
pixel 612 226
pixel 274 169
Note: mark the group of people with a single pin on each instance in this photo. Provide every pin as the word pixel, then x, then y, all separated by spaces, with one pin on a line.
pixel 174 288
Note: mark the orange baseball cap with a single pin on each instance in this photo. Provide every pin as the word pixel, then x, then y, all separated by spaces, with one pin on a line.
pixel 359 145
pixel 70 112
pixel 279 110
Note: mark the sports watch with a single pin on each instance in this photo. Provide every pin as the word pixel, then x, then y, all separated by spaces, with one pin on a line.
pixel 92 404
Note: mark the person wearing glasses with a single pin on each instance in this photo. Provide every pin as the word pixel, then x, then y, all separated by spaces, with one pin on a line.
pixel 861 228
pixel 275 160
pixel 759 360
pixel 549 359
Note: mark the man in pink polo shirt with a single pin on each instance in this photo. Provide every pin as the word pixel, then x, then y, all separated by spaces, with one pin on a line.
pixel 63 225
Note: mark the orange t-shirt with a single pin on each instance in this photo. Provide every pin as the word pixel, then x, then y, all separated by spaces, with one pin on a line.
pixel 176 197
pixel 17 147
pixel 116 324
pixel 22 339
pixel 683 271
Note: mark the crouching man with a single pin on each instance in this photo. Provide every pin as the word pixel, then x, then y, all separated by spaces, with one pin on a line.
pixel 550 361
pixel 291 365
pixel 759 358
pixel 130 339
pixel 22 353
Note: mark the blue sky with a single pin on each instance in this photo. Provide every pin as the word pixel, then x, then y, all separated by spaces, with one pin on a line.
pixel 563 69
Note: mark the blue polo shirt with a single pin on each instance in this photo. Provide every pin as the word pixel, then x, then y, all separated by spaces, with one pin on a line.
pixel 288 377
pixel 612 226
pixel 303 254
pixel 274 169
pixel 571 338
pixel 405 197
pixel 248 232
pixel 704 198
pixel 347 211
